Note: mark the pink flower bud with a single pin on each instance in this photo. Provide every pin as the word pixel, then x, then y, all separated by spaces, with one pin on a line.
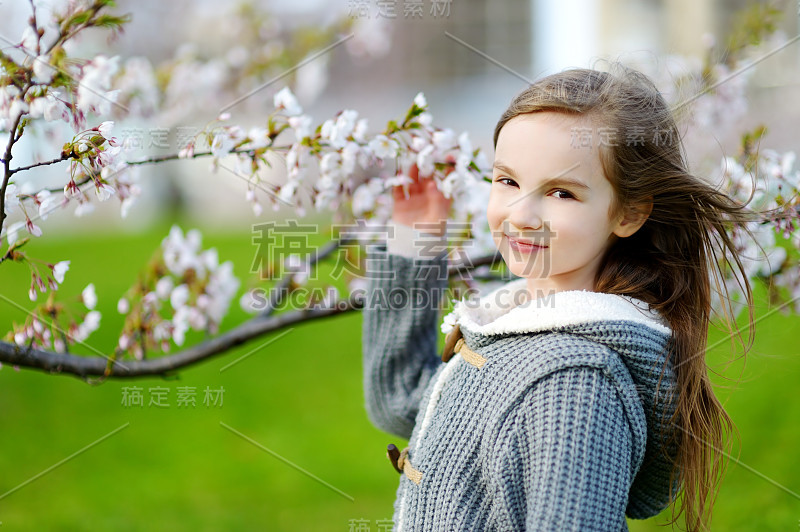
pixel 124 342
pixel 32 228
pixel 71 190
pixel 20 338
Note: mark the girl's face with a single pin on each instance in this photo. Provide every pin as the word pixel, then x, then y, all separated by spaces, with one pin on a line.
pixel 555 200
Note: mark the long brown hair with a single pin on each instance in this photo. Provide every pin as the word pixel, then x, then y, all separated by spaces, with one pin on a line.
pixel 671 261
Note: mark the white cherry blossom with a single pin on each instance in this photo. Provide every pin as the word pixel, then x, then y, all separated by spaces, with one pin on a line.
pixel 89 297
pixel 59 269
pixel 13 231
pixel 179 296
pixel 425 160
pixel 383 147
pixel 43 71
pixel 11 198
pixel 93 90
pixel 285 100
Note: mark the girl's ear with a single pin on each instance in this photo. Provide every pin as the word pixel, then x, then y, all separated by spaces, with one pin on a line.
pixel 633 218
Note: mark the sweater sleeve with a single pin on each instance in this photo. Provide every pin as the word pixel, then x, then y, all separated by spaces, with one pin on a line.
pixel 399 334
pixel 405 236
pixel 563 458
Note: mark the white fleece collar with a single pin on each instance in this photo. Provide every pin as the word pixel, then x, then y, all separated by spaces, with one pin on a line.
pixel 508 310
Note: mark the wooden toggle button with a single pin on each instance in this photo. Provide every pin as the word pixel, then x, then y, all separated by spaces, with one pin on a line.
pixel 450 343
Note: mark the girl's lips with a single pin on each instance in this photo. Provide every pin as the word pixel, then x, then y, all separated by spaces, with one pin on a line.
pixel 521 245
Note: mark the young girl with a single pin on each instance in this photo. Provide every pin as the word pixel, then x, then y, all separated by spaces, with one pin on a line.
pixel 577 394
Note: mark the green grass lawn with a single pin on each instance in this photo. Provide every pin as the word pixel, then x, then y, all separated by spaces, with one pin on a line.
pixel 300 399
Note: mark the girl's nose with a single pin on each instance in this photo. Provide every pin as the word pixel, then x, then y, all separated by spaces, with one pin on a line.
pixel 524 219
pixel 529 232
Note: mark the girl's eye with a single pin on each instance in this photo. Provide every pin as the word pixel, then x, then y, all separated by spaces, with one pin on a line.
pixel 566 194
pixel 501 179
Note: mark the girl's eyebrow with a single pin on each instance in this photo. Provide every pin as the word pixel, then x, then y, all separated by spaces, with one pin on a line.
pixel 503 168
pixel 554 181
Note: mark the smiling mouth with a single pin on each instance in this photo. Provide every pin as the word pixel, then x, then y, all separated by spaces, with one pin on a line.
pixel 523 244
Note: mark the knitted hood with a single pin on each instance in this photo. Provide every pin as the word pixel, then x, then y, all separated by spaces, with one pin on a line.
pixel 638 334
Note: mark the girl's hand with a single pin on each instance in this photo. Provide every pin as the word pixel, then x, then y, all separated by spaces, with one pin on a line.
pixel 425 203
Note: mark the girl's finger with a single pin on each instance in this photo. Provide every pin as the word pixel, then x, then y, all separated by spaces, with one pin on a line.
pixel 399 192
pixel 417 183
pixel 413 172
pixel 450 159
pixel 414 186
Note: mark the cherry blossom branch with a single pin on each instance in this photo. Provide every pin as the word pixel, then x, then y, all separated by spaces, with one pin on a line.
pixel 7 168
pixel 281 289
pixel 62 158
pixel 83 366
pixel 176 156
pixel 91 20
pixel 150 160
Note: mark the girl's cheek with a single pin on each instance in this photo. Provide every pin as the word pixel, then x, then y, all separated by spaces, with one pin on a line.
pixel 499 201
pixel 493 210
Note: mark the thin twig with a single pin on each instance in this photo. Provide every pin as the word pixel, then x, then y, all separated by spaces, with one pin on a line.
pixel 43 163
pixel 85 366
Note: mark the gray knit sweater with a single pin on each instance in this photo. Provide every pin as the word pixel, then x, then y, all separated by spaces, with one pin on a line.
pixel 559 429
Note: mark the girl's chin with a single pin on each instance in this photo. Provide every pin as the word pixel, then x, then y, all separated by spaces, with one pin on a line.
pixel 533 269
